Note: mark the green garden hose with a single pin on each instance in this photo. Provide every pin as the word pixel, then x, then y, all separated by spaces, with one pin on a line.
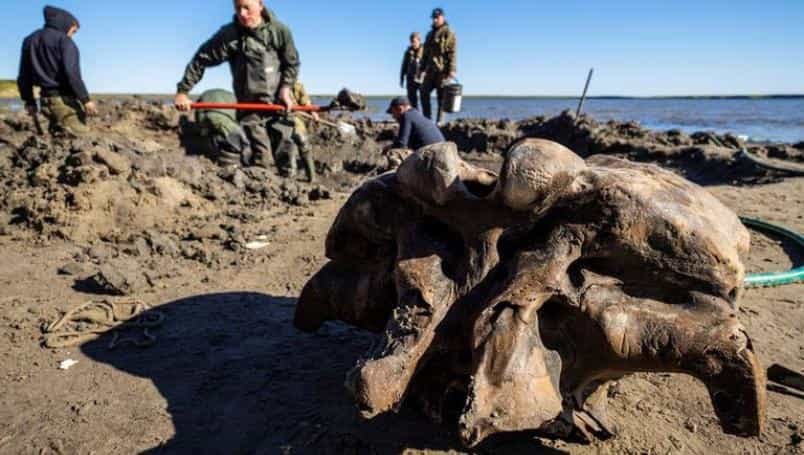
pixel 772 279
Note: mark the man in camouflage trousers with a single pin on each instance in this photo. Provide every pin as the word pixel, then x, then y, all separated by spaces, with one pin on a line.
pixel 439 62
pixel 264 64
pixel 50 60
pixel 299 137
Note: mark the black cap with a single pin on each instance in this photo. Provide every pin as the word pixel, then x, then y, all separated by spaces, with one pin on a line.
pixel 437 12
pixel 398 101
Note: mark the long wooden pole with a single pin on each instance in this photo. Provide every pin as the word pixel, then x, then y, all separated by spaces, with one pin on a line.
pixel 345 128
pixel 585 90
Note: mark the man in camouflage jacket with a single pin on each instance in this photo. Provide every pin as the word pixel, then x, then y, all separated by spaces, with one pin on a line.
pixel 439 62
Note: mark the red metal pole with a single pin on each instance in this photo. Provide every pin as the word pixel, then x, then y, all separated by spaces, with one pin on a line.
pixel 262 107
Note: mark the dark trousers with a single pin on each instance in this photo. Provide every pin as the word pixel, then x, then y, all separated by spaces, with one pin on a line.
pixel 430 84
pixel 268 134
pixel 233 148
pixel 413 93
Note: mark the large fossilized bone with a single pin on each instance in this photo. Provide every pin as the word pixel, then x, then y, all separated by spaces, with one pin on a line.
pixel 521 295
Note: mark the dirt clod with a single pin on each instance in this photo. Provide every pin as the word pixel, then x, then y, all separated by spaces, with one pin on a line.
pixel 118 278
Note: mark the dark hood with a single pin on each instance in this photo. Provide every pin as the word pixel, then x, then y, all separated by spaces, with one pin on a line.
pixel 59 19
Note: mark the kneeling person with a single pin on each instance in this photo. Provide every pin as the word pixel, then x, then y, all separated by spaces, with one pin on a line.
pixel 223 139
pixel 415 130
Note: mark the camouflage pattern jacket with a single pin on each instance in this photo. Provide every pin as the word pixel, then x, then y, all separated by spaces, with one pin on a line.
pixel 440 52
pixel 299 94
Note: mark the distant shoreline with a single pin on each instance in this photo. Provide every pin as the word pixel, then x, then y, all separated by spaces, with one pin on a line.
pixel 617 97
pixel 10 86
pixel 762 118
pixel 5 97
pixel 537 97
pixel 614 97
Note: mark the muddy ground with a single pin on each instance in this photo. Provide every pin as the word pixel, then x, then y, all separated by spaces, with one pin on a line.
pixel 130 214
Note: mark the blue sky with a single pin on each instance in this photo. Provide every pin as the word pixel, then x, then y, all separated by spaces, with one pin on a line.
pixel 637 47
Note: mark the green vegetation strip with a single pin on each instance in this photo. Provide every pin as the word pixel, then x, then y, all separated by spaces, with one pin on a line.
pixel 773 279
pixel 8 89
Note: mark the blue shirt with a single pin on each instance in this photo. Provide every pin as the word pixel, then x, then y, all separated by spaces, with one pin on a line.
pixel 416 131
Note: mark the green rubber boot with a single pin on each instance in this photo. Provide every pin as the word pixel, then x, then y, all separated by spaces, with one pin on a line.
pixel 306 154
pixel 309 167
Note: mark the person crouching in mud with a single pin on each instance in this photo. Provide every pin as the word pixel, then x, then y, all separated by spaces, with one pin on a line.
pixel 415 130
pixel 264 63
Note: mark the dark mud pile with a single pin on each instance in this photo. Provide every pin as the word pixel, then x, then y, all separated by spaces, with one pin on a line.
pixel 704 157
pixel 134 189
pixel 134 174
pixel 131 192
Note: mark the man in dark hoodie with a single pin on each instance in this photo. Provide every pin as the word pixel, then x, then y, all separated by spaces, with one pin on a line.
pixel 264 65
pixel 50 61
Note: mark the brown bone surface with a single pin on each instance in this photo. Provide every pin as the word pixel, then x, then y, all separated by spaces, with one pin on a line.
pixel 507 302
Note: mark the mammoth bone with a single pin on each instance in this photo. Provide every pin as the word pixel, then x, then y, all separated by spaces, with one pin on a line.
pixel 507 303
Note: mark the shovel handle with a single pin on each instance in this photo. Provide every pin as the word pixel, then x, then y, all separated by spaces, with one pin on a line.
pixel 319 120
pixel 259 107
